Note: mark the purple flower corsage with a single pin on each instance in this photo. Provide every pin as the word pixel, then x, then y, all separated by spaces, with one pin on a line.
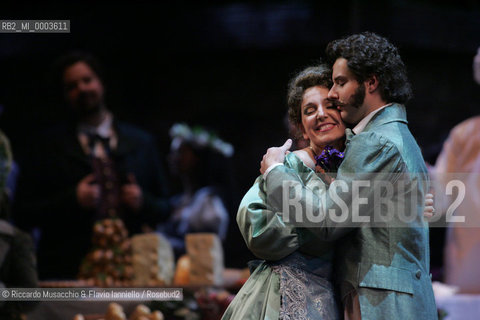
pixel 330 159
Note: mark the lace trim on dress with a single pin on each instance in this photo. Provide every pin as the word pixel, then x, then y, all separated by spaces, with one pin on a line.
pixel 306 293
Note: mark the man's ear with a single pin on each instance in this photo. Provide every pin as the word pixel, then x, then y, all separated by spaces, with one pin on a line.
pixel 371 84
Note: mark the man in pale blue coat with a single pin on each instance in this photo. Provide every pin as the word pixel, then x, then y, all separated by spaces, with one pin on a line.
pixel 376 213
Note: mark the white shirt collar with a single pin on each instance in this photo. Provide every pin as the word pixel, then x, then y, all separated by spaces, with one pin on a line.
pixel 363 123
pixel 104 129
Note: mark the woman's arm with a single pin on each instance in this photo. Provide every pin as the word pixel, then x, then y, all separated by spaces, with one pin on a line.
pixel 262 228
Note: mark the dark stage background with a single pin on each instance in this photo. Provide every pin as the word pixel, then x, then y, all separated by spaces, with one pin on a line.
pixel 225 65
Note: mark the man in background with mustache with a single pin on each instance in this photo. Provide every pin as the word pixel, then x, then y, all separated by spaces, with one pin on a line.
pixel 90 168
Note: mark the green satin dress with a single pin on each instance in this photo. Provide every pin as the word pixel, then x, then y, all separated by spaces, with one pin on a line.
pixel 294 281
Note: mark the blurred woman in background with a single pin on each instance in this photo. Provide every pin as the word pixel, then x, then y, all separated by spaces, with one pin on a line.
pixel 199 159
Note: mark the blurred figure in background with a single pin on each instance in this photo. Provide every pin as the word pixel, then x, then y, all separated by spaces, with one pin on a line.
pixel 199 160
pixel 460 158
pixel 17 253
pixel 89 168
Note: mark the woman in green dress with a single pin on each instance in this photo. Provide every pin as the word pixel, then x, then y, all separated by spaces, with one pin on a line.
pixel 294 281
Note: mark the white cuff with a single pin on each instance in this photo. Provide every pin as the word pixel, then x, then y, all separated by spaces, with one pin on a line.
pixel 270 169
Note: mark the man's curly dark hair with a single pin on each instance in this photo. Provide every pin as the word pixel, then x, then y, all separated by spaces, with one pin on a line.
pixel 320 75
pixel 369 54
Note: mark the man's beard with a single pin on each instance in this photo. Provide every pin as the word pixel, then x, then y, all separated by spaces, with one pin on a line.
pixel 356 100
pixel 85 108
pixel 87 111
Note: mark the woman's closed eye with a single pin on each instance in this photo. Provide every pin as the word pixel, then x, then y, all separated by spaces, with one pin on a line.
pixel 309 110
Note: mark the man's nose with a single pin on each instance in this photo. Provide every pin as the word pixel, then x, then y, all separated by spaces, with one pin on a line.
pixel 82 86
pixel 332 94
